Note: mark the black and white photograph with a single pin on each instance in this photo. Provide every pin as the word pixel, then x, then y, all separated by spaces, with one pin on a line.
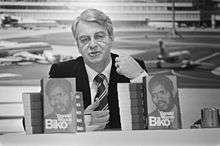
pixel 106 45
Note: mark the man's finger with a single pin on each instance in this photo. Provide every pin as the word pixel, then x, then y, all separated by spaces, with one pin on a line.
pixel 116 59
pixel 116 64
pixel 91 108
pixel 100 119
pixel 96 127
pixel 119 71
pixel 98 114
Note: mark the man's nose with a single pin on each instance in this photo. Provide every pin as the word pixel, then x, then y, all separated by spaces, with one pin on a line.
pixel 93 43
pixel 159 97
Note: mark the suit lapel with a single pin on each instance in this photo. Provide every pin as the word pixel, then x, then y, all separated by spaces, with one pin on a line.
pixel 83 83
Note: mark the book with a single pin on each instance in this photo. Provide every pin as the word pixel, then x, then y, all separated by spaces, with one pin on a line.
pixel 162 102
pixel 80 112
pixel 33 112
pixel 11 110
pixel 130 96
pixel 13 94
pixel 59 105
pixel 11 125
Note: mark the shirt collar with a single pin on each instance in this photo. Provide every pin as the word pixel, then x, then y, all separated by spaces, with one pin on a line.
pixel 92 73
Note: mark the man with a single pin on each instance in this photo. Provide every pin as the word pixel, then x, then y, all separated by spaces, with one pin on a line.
pixel 59 93
pixel 93 32
pixel 164 97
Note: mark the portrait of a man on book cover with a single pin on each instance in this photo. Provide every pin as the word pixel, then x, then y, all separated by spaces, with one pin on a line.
pixel 163 103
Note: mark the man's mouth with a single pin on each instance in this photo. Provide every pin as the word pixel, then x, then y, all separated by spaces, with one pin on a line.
pixel 161 103
pixel 94 54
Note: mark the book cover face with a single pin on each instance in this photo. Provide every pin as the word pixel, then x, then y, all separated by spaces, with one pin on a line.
pixel 59 105
pixel 163 102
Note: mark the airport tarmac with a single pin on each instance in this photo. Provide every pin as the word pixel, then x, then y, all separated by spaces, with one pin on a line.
pixel 134 43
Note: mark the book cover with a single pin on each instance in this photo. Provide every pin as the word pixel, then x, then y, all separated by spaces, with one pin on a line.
pixel 162 102
pixel 59 105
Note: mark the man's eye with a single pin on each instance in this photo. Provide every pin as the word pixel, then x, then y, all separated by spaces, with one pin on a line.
pixel 60 94
pixel 162 92
pixel 99 37
pixel 154 95
pixel 84 40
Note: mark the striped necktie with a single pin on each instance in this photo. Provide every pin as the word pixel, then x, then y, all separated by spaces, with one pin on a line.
pixel 102 92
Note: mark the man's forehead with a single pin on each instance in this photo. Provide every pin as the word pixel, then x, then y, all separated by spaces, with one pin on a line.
pixel 57 89
pixel 158 87
pixel 85 27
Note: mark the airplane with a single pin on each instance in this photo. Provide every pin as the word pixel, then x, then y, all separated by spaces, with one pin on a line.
pixel 9 48
pixel 25 23
pixel 13 52
pixel 177 59
pixel 161 25
pixel 174 56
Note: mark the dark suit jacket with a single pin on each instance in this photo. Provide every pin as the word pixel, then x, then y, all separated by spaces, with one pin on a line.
pixel 76 68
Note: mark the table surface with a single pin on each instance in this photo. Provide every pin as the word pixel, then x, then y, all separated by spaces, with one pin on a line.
pixel 137 137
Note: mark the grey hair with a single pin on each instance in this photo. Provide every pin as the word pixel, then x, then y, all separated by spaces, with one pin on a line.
pixel 94 15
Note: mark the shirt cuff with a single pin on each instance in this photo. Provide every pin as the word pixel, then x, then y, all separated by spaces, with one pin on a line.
pixel 139 79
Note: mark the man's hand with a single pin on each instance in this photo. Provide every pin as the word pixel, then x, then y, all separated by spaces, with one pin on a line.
pixel 95 120
pixel 128 67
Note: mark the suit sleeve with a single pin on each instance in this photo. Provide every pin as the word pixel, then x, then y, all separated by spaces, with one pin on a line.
pixel 58 71
pixel 52 72
pixel 142 64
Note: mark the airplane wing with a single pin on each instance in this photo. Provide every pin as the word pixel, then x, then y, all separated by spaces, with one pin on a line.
pixel 10 48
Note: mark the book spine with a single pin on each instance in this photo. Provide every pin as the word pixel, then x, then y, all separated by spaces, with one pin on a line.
pixel 145 101
pixel 80 112
pixel 33 112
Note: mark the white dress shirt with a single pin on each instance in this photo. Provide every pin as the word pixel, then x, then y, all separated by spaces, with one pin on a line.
pixel 92 74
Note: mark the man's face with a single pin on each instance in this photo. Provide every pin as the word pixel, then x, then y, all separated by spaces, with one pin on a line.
pixel 93 42
pixel 161 97
pixel 59 100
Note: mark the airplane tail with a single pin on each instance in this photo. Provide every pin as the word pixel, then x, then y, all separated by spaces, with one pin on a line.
pixel 162 48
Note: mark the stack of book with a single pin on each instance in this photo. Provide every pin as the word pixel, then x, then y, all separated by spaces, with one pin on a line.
pixel 33 112
pixel 153 104
pixel 11 111
pixel 131 106
pixel 11 108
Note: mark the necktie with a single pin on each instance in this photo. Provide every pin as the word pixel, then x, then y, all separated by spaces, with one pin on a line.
pixel 102 92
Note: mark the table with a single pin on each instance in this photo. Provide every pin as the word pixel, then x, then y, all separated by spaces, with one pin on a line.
pixel 105 138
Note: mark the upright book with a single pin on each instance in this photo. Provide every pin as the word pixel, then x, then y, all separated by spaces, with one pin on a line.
pixel 162 103
pixel 130 98
pixel 33 112
pixel 59 105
